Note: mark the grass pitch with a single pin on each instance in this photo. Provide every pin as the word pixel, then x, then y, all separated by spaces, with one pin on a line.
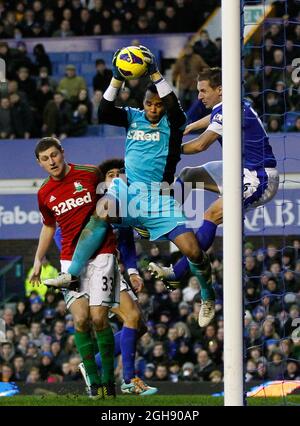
pixel 125 400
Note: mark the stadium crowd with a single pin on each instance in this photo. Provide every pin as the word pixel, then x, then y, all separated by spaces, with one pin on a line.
pixel 40 342
pixel 63 18
pixel 37 104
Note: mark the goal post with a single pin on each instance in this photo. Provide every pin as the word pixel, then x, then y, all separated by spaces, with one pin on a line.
pixel 232 199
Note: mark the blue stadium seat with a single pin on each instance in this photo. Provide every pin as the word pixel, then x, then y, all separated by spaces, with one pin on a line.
pixel 59 57
pixel 88 78
pixel 78 57
pixel 106 56
pixel 88 68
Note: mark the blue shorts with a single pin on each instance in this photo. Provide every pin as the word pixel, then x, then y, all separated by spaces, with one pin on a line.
pixel 157 214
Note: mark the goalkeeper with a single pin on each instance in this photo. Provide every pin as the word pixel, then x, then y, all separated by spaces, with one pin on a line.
pixel 153 148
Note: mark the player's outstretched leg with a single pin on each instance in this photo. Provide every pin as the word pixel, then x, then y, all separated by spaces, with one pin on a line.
pixel 91 238
pixel 200 267
pixel 205 237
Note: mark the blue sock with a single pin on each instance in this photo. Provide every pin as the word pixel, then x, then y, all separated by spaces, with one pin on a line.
pixel 128 349
pixel 181 267
pixel 205 236
pixel 91 238
pixel 117 351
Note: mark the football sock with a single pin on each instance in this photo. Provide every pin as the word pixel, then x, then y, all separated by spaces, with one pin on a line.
pixel 205 236
pixel 203 272
pixel 91 238
pixel 117 350
pixel 105 339
pixel 85 346
pixel 128 350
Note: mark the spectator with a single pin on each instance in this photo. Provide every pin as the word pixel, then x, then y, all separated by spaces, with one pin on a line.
pixel 59 332
pixel 292 371
pixel 36 335
pixel 26 83
pixel 22 315
pixel 22 118
pixel 83 99
pixel 6 125
pixel 79 121
pixel 71 84
pixel 7 352
pixel 41 59
pixel 3 33
pixel 57 117
pixel 34 375
pixel 184 75
pixel 22 347
pixel 48 271
pixel 188 372
pixel 7 373
pixel 19 368
pixel 95 102
pixel 85 27
pixel 204 366
pixel 8 317
pixel 158 354
pixel 174 371
pixel 36 310
pixel 149 372
pixel 189 292
pixel 64 31
pixel 47 366
pixel 206 48
pixel 61 310
pixel 161 372
pixel 49 22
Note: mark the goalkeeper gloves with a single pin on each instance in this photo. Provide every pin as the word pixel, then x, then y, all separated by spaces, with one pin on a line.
pixel 115 71
pixel 150 60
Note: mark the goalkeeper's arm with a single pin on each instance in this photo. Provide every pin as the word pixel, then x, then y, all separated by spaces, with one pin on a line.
pixel 108 113
pixel 173 108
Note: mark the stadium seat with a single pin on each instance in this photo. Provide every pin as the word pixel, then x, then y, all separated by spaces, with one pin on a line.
pixel 57 57
pixel 106 56
pixel 78 57
pixel 87 68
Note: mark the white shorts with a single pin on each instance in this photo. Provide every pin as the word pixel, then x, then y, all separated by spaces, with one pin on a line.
pixel 260 186
pixel 99 282
pixel 124 287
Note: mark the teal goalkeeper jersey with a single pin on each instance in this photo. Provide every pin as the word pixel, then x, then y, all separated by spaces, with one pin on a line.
pixel 152 151
pixel 149 150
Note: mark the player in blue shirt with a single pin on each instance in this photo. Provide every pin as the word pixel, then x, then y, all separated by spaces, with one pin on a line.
pixel 142 198
pixel 261 177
